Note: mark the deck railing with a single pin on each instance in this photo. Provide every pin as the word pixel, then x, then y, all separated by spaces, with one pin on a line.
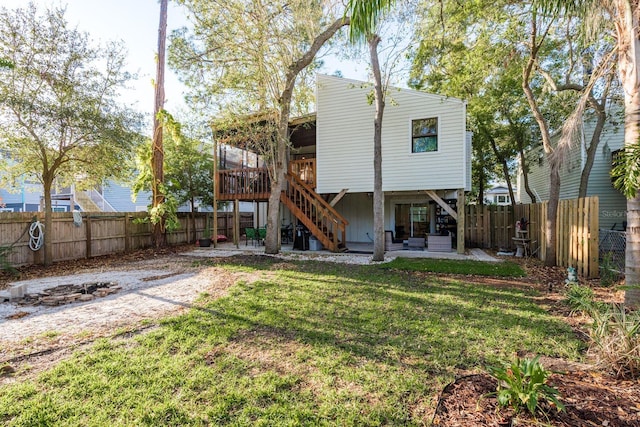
pixel 324 222
pixel 243 184
pixel 254 183
pixel 305 170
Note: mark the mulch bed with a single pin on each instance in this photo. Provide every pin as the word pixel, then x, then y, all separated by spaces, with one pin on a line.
pixel 591 399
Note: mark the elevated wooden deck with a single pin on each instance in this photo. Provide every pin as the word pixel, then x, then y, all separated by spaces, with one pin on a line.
pixel 254 184
pixel 298 195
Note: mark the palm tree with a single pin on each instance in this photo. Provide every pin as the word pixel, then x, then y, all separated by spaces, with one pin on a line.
pixel 625 15
pixel 365 15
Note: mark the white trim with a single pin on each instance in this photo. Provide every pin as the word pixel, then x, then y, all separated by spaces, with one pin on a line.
pixel 464 146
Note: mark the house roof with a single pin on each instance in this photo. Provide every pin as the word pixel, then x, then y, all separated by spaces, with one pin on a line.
pixel 406 90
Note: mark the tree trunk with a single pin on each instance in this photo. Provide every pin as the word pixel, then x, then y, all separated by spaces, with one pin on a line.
pixel 193 237
pixel 481 188
pixel 629 67
pixel 591 151
pixel 505 166
pixel 157 157
pixel 525 174
pixel 378 195
pixel 552 217
pixel 48 220
pixel 554 165
pixel 272 241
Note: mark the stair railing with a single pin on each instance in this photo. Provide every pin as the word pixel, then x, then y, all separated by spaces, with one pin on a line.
pixel 324 222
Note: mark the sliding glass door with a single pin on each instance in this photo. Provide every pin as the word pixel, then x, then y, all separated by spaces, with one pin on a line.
pixel 411 220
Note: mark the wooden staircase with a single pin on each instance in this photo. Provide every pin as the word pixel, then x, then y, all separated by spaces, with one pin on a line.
pixel 322 220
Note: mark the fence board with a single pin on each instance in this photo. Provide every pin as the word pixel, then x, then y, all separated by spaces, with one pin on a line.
pixel 102 233
pixel 576 231
pixel 594 238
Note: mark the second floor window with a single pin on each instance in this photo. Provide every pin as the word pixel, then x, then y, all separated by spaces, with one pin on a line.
pixel 424 135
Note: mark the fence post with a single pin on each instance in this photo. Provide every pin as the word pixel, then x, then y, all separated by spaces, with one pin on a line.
pixel 594 230
pixel 127 232
pixel 88 233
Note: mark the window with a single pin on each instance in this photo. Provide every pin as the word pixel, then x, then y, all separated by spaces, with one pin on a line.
pixel 504 199
pixel 424 135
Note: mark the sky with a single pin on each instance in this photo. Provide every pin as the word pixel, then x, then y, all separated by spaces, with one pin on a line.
pixel 136 23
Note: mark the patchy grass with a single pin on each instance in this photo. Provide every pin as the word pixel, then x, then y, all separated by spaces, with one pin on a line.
pixel 312 344
pixel 449 266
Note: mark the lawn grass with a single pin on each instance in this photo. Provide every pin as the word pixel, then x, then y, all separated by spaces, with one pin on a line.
pixel 315 344
pixel 450 266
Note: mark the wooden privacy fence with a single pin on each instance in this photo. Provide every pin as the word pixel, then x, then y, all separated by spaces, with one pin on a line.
pixel 577 231
pixel 101 233
pixel 489 226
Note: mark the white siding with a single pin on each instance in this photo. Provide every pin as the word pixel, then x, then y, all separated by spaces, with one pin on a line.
pixel 612 203
pixel 358 210
pixel 345 140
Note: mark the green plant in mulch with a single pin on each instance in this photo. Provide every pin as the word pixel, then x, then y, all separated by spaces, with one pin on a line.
pixel 5 265
pixel 448 266
pixel 615 335
pixel 580 299
pixel 608 274
pixel 614 332
pixel 523 384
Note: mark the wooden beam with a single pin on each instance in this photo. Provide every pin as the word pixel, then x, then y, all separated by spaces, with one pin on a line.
pixel 236 223
pixel 444 205
pixel 460 222
pixel 338 197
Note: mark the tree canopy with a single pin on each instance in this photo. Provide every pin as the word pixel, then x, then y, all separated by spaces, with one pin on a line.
pixel 60 119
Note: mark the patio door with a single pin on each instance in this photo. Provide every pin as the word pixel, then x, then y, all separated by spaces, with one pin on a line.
pixel 411 220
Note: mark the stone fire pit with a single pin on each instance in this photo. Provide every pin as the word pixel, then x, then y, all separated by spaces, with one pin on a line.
pixel 63 294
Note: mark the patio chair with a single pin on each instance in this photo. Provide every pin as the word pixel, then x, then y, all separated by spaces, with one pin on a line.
pixel 390 243
pixel 262 234
pixel 250 233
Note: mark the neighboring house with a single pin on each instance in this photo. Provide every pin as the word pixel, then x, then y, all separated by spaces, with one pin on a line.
pixel 25 197
pixel 111 196
pixel 498 195
pixel 426 163
pixel 612 204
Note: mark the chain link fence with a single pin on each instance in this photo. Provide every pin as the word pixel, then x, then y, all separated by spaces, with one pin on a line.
pixel 611 250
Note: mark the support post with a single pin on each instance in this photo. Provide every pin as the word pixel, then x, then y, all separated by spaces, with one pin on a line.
pixel 236 223
pixel 460 221
pixel 214 233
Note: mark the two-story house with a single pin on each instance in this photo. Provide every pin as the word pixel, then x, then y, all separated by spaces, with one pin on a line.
pixel 426 166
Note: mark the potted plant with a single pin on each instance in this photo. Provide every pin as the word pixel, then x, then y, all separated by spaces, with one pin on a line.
pixel 205 240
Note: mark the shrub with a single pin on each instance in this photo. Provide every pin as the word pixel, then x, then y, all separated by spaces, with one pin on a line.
pixel 579 298
pixel 5 265
pixel 608 275
pixel 615 336
pixel 524 384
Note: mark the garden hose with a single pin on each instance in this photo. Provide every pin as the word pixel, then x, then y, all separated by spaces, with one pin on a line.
pixel 36 235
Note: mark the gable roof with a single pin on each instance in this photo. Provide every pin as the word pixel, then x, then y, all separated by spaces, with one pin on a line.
pixel 431 96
